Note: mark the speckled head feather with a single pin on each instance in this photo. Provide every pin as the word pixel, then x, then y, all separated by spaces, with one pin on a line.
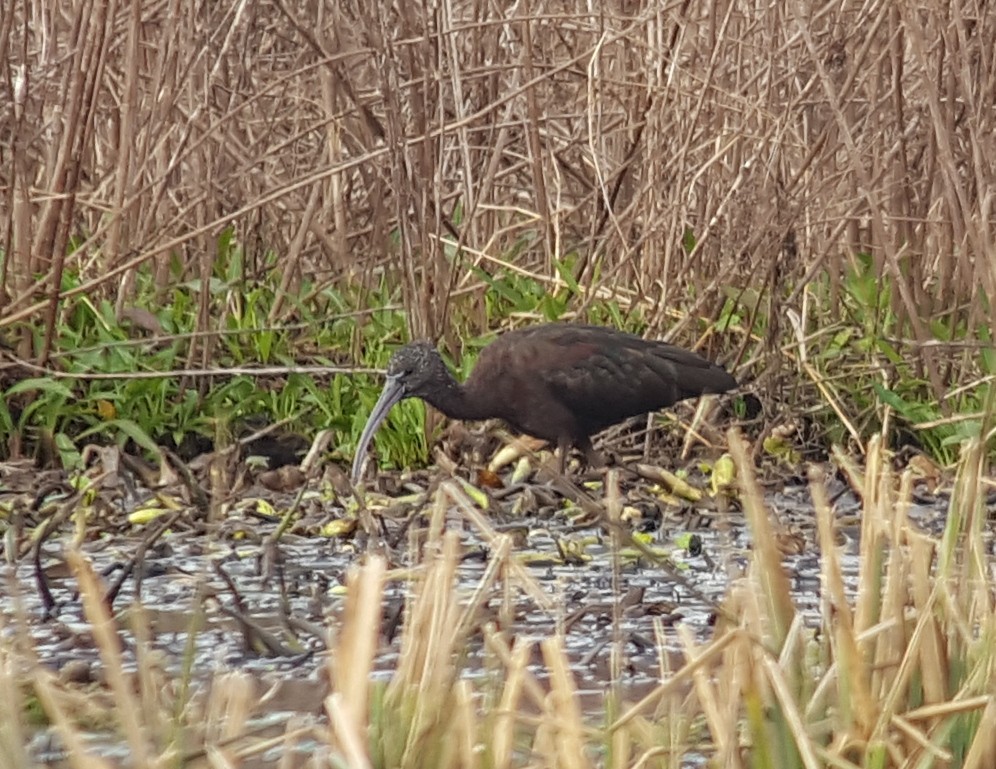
pixel 418 368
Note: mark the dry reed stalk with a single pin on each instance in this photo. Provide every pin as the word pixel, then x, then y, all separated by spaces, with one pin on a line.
pixel 351 744
pixel 521 683
pixel 678 681
pixel 933 662
pixel 713 696
pixel 229 706
pixel 785 693
pixel 105 637
pixel 673 711
pixel 450 493
pixel 425 673
pixel 508 705
pixel 962 555
pixel 69 732
pixel 566 735
pixel 857 706
pixel 151 680
pixel 439 618
pixel 772 582
pixel 916 621
pixel 13 737
pixel 121 224
pixel 681 155
pixel 351 662
pixel 460 745
pixel 982 752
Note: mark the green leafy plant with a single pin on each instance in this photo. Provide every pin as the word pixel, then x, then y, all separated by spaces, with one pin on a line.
pixel 860 360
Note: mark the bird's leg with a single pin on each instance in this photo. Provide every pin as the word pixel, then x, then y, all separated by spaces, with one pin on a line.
pixel 595 460
pixel 563 449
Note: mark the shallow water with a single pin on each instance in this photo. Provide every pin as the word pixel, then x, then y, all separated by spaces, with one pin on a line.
pixel 181 580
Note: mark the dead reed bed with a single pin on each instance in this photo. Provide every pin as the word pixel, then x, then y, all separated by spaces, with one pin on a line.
pixel 898 673
pixel 672 156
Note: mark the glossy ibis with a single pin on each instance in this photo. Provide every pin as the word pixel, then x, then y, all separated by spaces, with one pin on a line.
pixel 561 382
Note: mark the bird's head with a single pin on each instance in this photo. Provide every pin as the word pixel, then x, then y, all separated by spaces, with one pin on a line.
pixel 417 369
pixel 414 371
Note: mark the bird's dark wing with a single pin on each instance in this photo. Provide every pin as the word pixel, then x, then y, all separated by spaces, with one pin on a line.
pixel 603 376
pixel 568 380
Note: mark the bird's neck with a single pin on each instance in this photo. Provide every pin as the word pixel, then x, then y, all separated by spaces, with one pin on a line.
pixel 457 402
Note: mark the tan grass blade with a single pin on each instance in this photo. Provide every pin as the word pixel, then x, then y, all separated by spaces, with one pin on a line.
pixel 766 565
pixel 230 704
pixel 521 576
pixel 105 636
pixel 351 661
pixel 152 683
pixel 69 732
pixel 717 698
pixel 566 733
pixel 982 752
pixel 855 701
pixel 505 718
pixel 350 742
pixel 12 706
pixel 460 745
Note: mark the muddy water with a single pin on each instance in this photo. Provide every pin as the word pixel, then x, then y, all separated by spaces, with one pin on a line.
pixel 230 586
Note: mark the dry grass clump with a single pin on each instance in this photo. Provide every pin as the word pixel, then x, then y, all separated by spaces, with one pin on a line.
pixel 899 674
pixel 671 157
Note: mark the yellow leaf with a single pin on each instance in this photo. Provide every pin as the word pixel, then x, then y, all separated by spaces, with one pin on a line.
pixel 479 497
pixel 522 470
pixel 724 473
pixel 679 486
pixel 781 449
pixel 144 515
pixel 342 527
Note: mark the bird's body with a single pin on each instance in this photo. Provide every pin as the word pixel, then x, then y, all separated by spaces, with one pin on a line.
pixel 561 382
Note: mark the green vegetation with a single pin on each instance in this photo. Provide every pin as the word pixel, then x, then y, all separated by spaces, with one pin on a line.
pixel 121 382
pixel 124 382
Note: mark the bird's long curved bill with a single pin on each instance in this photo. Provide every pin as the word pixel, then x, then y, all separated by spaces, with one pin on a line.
pixel 393 392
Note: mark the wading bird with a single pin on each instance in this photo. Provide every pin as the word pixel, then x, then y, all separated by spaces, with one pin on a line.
pixel 561 382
